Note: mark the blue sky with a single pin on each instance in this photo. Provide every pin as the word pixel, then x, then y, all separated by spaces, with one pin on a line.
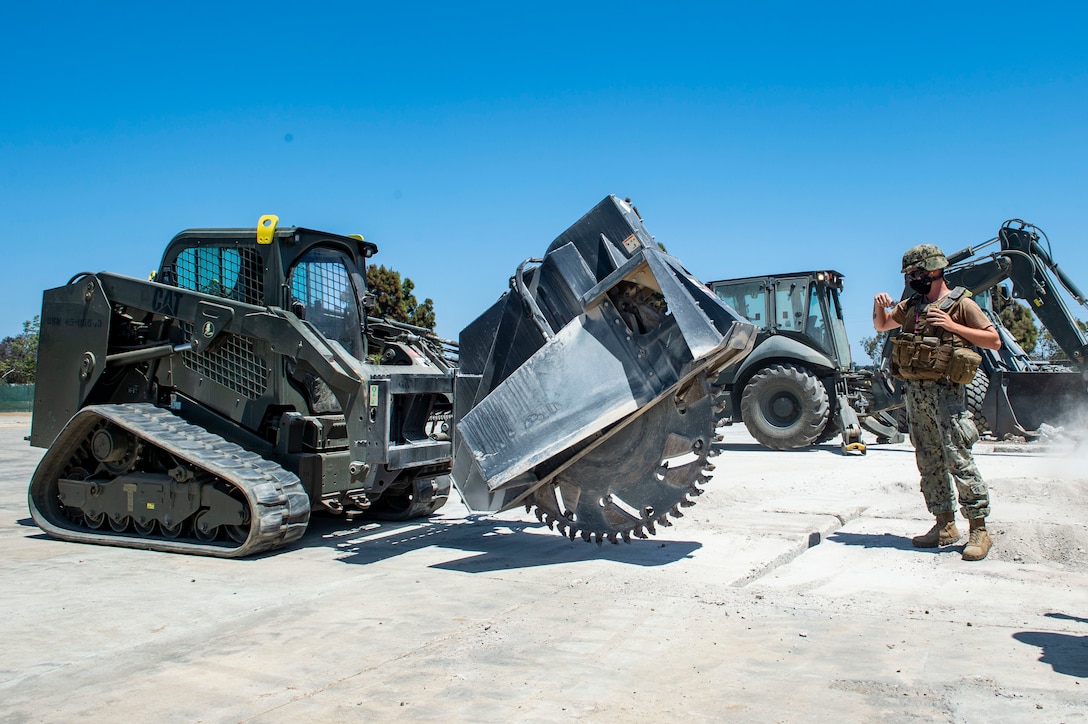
pixel 462 138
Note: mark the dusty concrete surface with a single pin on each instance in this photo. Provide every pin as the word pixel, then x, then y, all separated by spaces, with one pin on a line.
pixel 789 593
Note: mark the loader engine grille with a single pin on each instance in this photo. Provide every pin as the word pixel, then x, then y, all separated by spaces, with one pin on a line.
pixel 230 272
pixel 232 363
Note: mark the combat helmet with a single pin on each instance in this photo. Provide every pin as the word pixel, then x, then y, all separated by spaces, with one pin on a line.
pixel 924 256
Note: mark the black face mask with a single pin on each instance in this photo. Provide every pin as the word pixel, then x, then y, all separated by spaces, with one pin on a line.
pixel 922 286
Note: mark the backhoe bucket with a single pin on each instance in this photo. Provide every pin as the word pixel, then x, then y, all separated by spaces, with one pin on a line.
pixel 1018 403
pixel 602 329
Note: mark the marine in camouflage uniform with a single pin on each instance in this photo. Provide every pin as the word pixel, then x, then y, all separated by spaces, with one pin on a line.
pixel 942 432
pixel 941 429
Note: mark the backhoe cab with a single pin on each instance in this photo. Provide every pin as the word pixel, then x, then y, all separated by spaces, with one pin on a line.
pixel 798 387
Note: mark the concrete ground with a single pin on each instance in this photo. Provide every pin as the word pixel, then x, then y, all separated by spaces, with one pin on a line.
pixel 791 592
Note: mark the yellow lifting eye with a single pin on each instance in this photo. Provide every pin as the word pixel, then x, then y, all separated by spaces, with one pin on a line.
pixel 266 228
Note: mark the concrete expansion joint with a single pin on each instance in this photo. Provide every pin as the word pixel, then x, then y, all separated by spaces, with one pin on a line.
pixel 811 539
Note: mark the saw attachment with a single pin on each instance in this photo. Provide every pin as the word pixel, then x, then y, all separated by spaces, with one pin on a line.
pixel 637 478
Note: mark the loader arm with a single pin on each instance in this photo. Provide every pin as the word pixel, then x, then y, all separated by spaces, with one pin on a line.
pixel 211 320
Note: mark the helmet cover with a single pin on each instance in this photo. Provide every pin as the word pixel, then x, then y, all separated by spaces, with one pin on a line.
pixel 924 256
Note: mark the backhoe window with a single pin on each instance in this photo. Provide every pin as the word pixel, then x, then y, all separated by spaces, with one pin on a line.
pixel 748 299
pixel 321 286
pixel 816 324
pixel 223 271
pixel 838 330
pixel 790 305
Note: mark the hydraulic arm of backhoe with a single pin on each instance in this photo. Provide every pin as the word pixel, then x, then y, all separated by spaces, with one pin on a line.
pixel 1029 267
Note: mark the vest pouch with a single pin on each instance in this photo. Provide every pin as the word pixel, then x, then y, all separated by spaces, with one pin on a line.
pixel 963 365
pixel 902 353
pixel 920 358
pixel 931 358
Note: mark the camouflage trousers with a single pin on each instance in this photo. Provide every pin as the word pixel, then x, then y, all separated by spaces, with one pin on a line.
pixel 943 432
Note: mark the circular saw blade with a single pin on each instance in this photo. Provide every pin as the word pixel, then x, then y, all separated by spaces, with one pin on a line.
pixel 637 477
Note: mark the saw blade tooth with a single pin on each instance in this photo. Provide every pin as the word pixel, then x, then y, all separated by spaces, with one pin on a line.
pixel 675 511
pixel 686 503
pixel 598 537
pixel 713 452
pixel 703 478
pixel 539 514
pixel 626 536
pixel 612 538
pixel 718 438
pixel 650 527
pixel 573 533
pixel 710 467
pixel 663 519
pixel 693 490
pixel 639 532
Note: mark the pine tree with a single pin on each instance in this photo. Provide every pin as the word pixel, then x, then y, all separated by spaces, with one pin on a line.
pixel 395 300
pixel 1019 320
pixel 1048 346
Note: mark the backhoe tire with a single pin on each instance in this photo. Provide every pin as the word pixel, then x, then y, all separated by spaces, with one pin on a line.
pixel 975 394
pixel 831 429
pixel 785 407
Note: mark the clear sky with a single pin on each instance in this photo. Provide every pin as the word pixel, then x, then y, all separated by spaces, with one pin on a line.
pixel 754 137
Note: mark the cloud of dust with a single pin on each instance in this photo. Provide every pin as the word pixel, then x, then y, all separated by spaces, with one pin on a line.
pixel 1066 443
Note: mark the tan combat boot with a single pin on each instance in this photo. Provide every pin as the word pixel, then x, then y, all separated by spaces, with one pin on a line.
pixel 979 542
pixel 943 533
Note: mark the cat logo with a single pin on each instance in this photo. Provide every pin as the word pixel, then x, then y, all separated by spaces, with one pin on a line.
pixel 165 302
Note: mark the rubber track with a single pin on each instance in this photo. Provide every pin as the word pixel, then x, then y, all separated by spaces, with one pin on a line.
pixel 279 506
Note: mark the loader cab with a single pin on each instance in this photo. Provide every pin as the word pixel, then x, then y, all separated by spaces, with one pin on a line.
pixel 326 290
pixel 320 277
pixel 326 284
pixel 316 276
pixel 804 306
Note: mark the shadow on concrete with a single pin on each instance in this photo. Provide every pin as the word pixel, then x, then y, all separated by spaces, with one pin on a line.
pixel 832 447
pixel 883 540
pixel 1067 654
pixel 490 545
pixel 756 447
pixel 1067 617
